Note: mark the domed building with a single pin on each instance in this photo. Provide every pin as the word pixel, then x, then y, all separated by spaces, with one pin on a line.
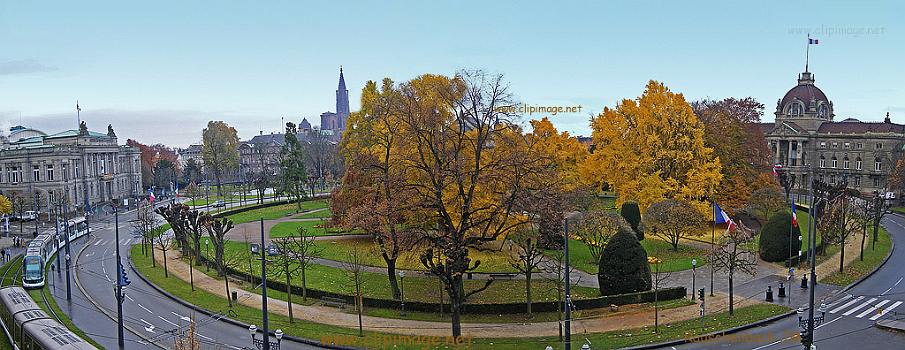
pixel 804 139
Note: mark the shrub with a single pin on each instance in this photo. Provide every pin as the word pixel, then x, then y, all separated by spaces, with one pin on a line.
pixel 623 265
pixel 774 237
pixel 632 215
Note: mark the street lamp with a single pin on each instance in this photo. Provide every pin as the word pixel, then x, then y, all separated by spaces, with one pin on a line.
pixel 402 292
pixel 694 268
pixel 806 337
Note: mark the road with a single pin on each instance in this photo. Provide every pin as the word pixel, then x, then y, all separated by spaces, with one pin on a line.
pixel 849 322
pixel 150 317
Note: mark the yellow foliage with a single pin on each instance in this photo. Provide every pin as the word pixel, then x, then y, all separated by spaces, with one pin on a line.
pixel 6 206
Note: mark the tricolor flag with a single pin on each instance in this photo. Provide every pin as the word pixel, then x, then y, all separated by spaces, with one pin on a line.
pixel 720 217
pixel 813 41
pixel 151 195
pixel 794 216
pixel 775 168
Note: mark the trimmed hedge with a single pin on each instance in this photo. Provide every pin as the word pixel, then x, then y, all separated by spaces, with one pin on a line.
pixel 774 238
pixel 632 215
pixel 623 266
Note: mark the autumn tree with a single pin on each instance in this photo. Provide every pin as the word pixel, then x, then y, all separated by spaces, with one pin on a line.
pixel 526 255
pixel 652 148
pixel 673 220
pixel 191 172
pixel 764 202
pixel 840 221
pixel 596 228
pixel 220 150
pixel 732 130
pixel 733 255
pixel 6 205
pixel 150 156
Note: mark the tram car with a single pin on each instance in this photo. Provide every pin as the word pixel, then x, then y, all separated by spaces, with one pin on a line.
pixel 31 327
pixel 44 246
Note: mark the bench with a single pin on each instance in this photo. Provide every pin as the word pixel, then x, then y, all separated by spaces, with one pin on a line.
pixel 507 276
pixel 334 302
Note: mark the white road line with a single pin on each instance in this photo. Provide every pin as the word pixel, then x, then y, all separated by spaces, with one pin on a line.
pixel 146 309
pixel 846 305
pixel 782 340
pixel 98 242
pixel 128 297
pixel 201 335
pixel 849 312
pixel 872 308
pixel 167 321
pixel 886 310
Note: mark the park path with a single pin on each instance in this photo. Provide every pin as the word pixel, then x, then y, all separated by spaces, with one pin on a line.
pixel 334 317
pixel 251 231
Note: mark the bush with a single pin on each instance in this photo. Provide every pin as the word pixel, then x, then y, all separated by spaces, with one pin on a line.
pixel 774 238
pixel 632 215
pixel 623 265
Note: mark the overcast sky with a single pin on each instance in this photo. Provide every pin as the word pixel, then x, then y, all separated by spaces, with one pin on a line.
pixel 158 71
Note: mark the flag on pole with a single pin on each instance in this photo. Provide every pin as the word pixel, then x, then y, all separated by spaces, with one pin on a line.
pixel 813 41
pixel 794 216
pixel 151 195
pixel 776 168
pixel 77 108
pixel 722 217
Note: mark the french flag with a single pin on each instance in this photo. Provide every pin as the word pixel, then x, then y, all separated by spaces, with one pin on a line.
pixel 813 41
pixel 776 169
pixel 151 195
pixel 794 216
pixel 720 217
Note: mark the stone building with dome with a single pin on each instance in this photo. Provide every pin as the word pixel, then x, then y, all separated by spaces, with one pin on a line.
pixel 806 141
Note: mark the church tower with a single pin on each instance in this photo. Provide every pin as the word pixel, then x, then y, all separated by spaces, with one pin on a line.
pixel 342 102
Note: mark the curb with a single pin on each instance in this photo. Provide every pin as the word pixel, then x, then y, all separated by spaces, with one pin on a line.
pixel 227 319
pixel 764 321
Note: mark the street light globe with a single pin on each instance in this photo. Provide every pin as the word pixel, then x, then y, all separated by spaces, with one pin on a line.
pixel 694 262
pixel 548 347
pixel 252 330
pixel 279 334
pixel 401 274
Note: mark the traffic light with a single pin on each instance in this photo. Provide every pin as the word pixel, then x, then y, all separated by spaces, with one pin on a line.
pixel 701 294
pixel 123 280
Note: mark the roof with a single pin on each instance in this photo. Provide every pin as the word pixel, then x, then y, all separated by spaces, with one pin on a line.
pixel 73 133
pixel 853 126
pixel 275 138
pixel 805 93
pixel 766 127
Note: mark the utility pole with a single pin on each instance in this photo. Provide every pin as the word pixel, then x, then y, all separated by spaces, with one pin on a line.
pixel 266 343
pixel 119 282
pixel 567 301
pixel 68 257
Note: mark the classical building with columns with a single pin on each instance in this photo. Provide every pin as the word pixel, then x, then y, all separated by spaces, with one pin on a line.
pixel 81 166
pixel 806 141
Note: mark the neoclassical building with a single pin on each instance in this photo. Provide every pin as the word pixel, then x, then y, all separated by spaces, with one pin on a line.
pixel 85 167
pixel 805 140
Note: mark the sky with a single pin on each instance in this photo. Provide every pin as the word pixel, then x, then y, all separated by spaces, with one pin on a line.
pixel 158 71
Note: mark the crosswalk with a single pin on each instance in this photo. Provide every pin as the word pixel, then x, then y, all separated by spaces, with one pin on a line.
pixel 861 307
pixel 123 241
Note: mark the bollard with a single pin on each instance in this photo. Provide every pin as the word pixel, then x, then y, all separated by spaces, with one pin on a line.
pixel 782 290
pixel 586 347
pixel 235 295
pixel 769 294
pixel 804 282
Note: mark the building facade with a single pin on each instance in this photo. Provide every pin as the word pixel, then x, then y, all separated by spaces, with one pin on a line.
pixel 806 141
pixel 336 122
pixel 77 167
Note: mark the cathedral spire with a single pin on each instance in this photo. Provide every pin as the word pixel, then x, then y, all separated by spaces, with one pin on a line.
pixel 342 101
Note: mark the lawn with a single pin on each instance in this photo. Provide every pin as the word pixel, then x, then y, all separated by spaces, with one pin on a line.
pixel 425 289
pixel 859 268
pixel 313 228
pixel 317 214
pixel 491 261
pixel 277 211
pixel 580 255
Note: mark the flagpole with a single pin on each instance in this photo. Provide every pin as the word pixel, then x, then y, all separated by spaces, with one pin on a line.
pixel 712 239
pixel 807 53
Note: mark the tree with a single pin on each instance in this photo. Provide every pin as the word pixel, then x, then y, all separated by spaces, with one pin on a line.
pixel 839 221
pixel 555 270
pixel 163 241
pixel 165 174
pixel 220 149
pixel 526 256
pixel 6 205
pixel 18 205
pixel 191 172
pixel 764 202
pixel 216 230
pixel 774 237
pixel 623 266
pixel 658 279
pixel 596 228
pixel 732 130
pixel 303 251
pixel 286 267
pixel 632 215
pixel 193 191
pixel 150 156
pixel 354 266
pixel 652 148
pixel 292 162
pixel 187 339
pixel 175 214
pixel 732 255
pixel 146 224
pixel 673 220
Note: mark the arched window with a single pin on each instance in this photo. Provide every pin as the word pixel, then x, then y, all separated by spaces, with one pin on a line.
pixel 845 163
pixel 796 109
pixel 823 110
pixel 822 162
pixel 834 162
pixel 858 163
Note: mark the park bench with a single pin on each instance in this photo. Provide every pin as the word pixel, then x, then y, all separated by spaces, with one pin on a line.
pixel 334 302
pixel 497 276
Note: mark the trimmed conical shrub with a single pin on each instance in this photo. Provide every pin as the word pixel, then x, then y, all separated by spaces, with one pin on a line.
pixel 774 238
pixel 623 265
pixel 632 214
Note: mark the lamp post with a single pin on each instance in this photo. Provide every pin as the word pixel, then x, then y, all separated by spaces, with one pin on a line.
pixel 402 292
pixel 259 343
pixel 694 267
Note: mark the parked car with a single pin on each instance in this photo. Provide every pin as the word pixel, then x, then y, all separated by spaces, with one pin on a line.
pixel 219 204
pixel 29 215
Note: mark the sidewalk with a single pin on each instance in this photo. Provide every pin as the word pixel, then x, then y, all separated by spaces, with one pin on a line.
pixel 334 317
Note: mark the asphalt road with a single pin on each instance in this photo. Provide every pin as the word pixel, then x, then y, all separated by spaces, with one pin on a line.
pixel 150 317
pixel 849 322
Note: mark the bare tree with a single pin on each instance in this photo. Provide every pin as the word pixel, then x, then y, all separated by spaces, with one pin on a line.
pixel 840 220
pixel 764 202
pixel 596 228
pixel 186 339
pixel 526 255
pixel 216 230
pixel 732 255
pixel 354 266
pixel 555 269
pixel 287 268
pixel 672 220
pixel 146 224
pixel 163 241
pixel 18 201
pixel 304 250
pixel 658 280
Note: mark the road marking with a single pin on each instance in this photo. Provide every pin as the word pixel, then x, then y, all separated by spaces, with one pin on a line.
pixel 846 305
pixel 167 321
pixel 98 242
pixel 150 327
pixel 181 317
pixel 849 312
pixel 128 297
pixel 201 335
pixel 789 338
pixel 872 308
pixel 884 311
pixel 146 309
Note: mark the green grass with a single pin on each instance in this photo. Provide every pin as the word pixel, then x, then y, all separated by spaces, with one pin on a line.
pixel 13 265
pixel 491 261
pixel 313 228
pixel 580 256
pixel 317 331
pixel 377 285
pixel 277 211
pixel 317 214
pixel 51 304
pixel 859 268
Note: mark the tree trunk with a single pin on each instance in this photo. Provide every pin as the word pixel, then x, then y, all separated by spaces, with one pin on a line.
pixel 528 291
pixel 229 299
pixel 391 275
pixel 731 290
pixel 304 288
pixel 166 274
pixel 288 289
pixel 192 273
pixel 842 256
pixel 863 237
pixel 455 302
